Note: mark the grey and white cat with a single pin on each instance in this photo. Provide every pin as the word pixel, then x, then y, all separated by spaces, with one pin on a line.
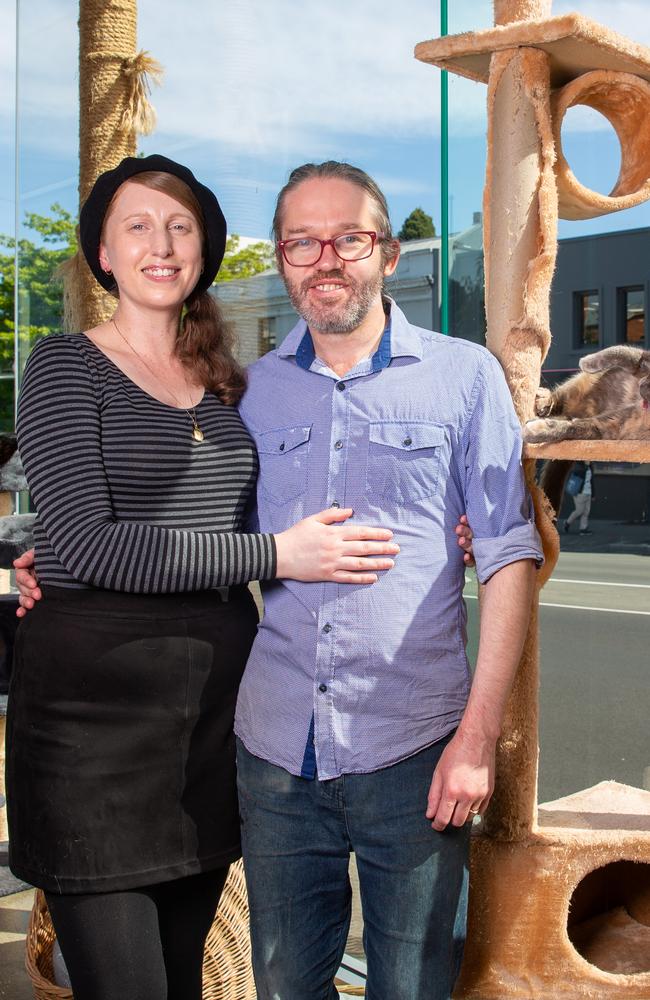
pixel 608 398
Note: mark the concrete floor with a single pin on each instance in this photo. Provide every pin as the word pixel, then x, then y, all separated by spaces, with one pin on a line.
pixel 15 984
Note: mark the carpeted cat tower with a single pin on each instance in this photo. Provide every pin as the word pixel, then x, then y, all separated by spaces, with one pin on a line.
pixel 560 893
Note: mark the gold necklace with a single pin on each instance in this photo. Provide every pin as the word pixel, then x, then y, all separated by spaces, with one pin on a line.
pixel 197 433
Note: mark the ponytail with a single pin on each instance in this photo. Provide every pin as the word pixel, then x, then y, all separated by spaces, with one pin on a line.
pixel 205 345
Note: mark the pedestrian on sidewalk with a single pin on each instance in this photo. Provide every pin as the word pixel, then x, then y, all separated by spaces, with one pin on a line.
pixel 583 498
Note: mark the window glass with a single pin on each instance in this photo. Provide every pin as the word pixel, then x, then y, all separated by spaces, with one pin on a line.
pixel 632 316
pixel 46 164
pixel 7 210
pixel 587 311
pixel 266 339
pixel 243 101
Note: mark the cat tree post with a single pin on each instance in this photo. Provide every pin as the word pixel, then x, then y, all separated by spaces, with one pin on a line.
pixel 559 894
pixel 519 248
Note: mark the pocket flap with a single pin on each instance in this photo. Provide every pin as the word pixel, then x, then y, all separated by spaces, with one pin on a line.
pixel 284 439
pixel 408 437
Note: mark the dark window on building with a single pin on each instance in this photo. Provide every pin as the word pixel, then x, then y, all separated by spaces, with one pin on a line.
pixel 631 315
pixel 266 340
pixel 586 318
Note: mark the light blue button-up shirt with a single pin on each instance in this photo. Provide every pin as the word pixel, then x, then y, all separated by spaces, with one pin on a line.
pixel 410 439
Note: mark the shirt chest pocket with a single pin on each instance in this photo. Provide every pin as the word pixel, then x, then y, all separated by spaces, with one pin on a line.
pixel 284 456
pixel 404 461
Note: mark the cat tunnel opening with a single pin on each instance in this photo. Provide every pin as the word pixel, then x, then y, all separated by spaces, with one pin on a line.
pixel 624 100
pixel 609 918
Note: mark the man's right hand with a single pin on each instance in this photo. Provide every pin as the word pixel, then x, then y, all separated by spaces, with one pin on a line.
pixel 30 592
pixel 320 548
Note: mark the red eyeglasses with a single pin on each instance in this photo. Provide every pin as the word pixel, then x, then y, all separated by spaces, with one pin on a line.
pixel 308 250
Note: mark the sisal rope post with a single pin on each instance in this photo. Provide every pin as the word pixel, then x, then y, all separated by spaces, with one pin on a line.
pixel 113 109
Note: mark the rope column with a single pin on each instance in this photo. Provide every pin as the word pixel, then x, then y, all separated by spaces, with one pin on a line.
pixel 113 109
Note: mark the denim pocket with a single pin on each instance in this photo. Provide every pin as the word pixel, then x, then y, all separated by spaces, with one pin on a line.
pixel 403 461
pixel 283 455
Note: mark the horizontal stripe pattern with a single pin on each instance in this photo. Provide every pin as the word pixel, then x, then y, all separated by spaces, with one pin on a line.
pixel 126 499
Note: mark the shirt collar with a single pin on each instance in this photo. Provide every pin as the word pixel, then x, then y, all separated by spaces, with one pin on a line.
pixel 399 340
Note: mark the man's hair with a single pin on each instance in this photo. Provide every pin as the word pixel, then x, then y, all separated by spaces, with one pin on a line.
pixel 388 247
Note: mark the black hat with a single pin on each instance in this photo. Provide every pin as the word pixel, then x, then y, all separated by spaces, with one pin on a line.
pixel 93 211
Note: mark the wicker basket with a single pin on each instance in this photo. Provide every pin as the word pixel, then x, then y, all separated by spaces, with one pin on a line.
pixel 227 972
pixel 38 953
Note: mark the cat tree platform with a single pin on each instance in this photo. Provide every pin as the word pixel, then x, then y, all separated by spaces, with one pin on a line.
pixel 598 450
pixel 586 63
pixel 565 913
pixel 575 44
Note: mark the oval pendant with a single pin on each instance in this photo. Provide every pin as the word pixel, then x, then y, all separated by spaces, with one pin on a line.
pixel 197 433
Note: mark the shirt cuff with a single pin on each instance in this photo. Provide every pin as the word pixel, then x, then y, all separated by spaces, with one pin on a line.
pixel 492 554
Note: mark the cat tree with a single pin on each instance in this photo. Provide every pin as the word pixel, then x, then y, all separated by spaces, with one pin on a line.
pixel 560 893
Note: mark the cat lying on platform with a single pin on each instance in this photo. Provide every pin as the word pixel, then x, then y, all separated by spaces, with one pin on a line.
pixel 608 398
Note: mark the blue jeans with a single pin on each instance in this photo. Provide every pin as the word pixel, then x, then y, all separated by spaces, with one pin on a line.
pixel 297 836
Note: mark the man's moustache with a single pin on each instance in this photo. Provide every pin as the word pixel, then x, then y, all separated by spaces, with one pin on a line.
pixel 321 279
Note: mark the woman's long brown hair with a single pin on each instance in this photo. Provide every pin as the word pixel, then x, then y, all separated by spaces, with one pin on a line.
pixel 205 342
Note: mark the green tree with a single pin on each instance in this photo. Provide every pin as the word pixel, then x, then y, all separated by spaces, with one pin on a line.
pixel 418 225
pixel 41 303
pixel 244 262
pixel 41 293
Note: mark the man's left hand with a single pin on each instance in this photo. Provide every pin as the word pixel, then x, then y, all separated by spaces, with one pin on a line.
pixel 463 781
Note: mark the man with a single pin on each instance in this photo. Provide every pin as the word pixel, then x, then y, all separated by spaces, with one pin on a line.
pixel 357 727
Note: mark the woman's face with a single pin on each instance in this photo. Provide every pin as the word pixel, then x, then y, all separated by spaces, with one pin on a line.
pixel 153 246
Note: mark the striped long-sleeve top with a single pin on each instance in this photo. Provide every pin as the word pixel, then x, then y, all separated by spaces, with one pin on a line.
pixel 126 499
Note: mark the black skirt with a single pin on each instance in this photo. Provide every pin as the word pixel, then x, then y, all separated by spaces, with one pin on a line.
pixel 120 746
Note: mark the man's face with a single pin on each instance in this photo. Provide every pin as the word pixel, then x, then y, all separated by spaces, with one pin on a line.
pixel 333 296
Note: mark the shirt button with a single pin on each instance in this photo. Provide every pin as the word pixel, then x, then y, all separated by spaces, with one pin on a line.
pixel 338 445
pixel 406 442
pixel 335 503
pixel 322 688
pixel 327 627
pixel 340 386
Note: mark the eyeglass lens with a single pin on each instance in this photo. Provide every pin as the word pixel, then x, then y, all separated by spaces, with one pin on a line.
pixel 349 246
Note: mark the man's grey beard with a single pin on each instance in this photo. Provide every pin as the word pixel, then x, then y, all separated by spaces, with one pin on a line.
pixel 348 317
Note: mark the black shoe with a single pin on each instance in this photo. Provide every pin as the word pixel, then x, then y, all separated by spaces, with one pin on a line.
pixel 566 527
pixel 586 531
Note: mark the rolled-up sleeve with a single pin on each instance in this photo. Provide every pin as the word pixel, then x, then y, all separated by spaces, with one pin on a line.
pixel 497 502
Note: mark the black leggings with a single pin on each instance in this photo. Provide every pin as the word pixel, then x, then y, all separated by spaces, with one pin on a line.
pixel 140 944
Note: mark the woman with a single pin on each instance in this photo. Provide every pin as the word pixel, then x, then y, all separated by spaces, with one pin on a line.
pixel 120 767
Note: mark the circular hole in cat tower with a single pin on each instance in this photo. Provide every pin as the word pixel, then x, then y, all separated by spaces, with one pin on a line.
pixel 592 147
pixel 609 918
pixel 624 100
